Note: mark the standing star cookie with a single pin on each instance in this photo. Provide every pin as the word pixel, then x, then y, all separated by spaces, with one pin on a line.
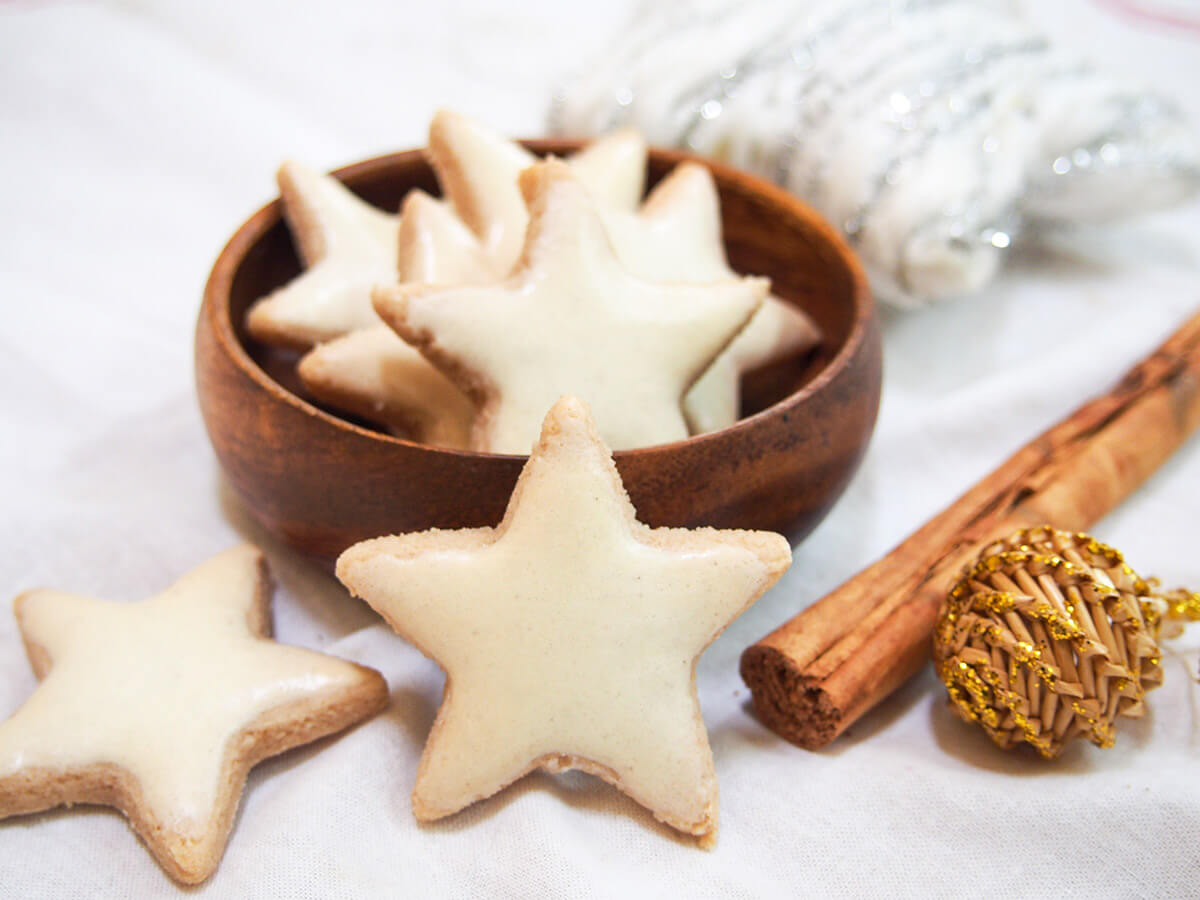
pixel 160 708
pixel 674 237
pixel 571 320
pixel 569 634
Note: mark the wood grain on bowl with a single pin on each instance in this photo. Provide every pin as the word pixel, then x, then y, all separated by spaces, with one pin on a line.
pixel 322 482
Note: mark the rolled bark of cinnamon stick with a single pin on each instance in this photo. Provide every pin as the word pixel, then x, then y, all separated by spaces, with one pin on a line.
pixel 819 672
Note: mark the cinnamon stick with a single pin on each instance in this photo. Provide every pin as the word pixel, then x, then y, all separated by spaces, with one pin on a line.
pixel 819 672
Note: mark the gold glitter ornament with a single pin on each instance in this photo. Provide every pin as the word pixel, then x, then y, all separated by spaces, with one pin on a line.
pixel 1051 636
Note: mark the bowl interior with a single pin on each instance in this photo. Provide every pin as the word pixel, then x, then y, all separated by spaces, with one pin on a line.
pixel 810 274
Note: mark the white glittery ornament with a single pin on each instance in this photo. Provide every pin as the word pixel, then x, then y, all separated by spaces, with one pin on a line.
pixel 932 131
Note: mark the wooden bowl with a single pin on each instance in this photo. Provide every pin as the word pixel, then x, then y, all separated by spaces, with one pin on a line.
pixel 321 482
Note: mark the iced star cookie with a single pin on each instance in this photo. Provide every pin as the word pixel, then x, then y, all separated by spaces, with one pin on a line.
pixel 674 237
pixel 347 247
pixel 433 244
pixel 373 373
pixel 478 171
pixel 569 634
pixel 160 708
pixel 376 376
pixel 570 319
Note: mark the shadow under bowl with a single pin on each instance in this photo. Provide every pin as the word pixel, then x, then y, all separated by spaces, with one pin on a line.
pixel 321 481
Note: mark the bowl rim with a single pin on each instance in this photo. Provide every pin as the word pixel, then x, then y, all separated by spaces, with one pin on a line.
pixel 215 304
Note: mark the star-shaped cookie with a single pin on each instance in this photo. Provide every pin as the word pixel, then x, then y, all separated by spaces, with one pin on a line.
pixel 569 634
pixel 570 319
pixel 676 237
pixel 160 708
pixel 373 373
pixel 347 247
pixel 478 171
pixel 434 245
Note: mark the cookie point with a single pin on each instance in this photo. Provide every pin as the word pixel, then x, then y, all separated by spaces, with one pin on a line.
pixel 343 567
pixel 242 554
pixel 627 134
pixel 258 319
pixel 291 173
pixel 443 119
pixel 568 407
pixel 778 553
pixel 700 182
pixel 387 299
pixel 569 416
pixel 310 365
pixel 535 180
pixel 24 598
pixel 416 202
pixel 693 170
pixel 245 549
pixel 447 129
pixel 759 285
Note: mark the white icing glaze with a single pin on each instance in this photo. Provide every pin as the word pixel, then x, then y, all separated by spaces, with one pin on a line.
pixel 676 234
pixel 573 320
pixel 569 630
pixel 375 374
pixel 676 237
pixel 435 246
pixel 348 245
pixel 372 372
pixel 388 381
pixel 159 688
pixel 478 171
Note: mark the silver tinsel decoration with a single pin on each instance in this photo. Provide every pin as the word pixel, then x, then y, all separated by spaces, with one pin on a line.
pixel 932 131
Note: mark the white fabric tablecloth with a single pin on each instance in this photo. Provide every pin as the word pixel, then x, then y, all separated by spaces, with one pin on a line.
pixel 135 136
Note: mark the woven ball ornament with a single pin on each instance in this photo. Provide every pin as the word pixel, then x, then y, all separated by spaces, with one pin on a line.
pixel 1048 637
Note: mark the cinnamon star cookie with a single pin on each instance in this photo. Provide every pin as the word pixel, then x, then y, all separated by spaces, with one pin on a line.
pixel 478 170
pixel 373 373
pixel 347 246
pixel 674 237
pixel 160 708
pixel 569 634
pixel 570 319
